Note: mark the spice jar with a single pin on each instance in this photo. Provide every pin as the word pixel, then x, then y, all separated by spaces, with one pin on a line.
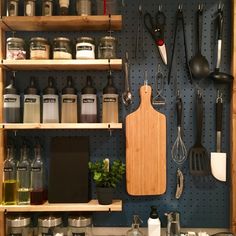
pixel 85 48
pixel 18 225
pixel 64 7
pixel 39 48
pixel 15 49
pixel 50 225
pixel 29 8
pixel 12 7
pixel 61 48
pixel 83 7
pixel 107 48
pixel 79 225
pixel 47 8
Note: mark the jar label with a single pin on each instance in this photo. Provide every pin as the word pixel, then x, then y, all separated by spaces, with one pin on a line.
pixel 14 234
pixel 11 101
pixel 8 169
pixel 22 168
pixel 49 100
pixel 84 47
pixel 107 47
pixel 30 100
pixel 60 49
pixel 109 100
pixel 78 234
pixel 88 100
pixel 36 169
pixel 14 47
pixel 68 100
pixel 40 47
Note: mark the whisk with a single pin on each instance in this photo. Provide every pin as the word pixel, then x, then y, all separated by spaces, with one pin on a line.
pixel 179 151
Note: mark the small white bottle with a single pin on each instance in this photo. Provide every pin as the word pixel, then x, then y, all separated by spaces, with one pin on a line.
pixel 154 223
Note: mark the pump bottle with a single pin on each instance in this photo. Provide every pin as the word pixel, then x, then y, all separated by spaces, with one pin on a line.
pixel 154 224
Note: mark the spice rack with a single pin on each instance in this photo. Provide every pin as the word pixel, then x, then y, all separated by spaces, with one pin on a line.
pixel 54 23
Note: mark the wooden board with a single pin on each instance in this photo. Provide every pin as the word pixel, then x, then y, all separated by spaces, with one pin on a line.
pixel 145 148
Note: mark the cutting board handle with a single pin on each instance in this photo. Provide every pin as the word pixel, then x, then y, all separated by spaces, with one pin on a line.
pixel 145 95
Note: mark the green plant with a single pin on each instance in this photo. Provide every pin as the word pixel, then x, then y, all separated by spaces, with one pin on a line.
pixel 106 174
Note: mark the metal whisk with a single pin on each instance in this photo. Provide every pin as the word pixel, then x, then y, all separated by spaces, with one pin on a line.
pixel 179 151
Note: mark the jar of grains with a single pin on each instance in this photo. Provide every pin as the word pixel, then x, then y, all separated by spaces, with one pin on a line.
pixel 15 49
pixel 62 48
pixel 85 48
pixel 107 48
pixel 39 48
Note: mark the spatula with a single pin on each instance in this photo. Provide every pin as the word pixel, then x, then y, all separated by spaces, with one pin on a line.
pixel 198 155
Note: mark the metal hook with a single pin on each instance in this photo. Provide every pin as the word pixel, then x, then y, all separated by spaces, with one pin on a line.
pixel 200 6
pixel 180 7
pixel 160 7
pixel 220 6
pixel 219 97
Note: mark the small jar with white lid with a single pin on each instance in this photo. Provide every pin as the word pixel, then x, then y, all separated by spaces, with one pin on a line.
pixel 79 226
pixel 85 48
pixel 18 225
pixel 39 48
pixel 50 225
pixel 62 48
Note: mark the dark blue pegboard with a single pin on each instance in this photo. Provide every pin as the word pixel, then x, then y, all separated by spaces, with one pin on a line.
pixel 205 201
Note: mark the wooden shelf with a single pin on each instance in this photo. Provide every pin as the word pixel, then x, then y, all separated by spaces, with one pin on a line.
pixel 90 206
pixel 17 126
pixel 96 64
pixel 62 23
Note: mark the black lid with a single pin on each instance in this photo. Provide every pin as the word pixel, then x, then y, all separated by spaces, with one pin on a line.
pixel 153 213
pixel 89 89
pixel 31 89
pixel 11 89
pixel 50 89
pixel 109 89
pixel 69 89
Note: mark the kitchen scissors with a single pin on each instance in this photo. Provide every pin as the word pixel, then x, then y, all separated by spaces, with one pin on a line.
pixel 155 27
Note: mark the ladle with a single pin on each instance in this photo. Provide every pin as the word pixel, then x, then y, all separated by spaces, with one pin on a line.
pixel 199 65
pixel 216 75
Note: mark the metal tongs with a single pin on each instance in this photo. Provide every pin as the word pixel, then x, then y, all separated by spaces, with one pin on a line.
pixel 159 99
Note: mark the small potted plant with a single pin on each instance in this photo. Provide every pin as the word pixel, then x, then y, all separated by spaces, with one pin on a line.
pixel 106 176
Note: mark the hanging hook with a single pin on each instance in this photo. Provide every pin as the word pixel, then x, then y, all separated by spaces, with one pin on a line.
pixel 160 7
pixel 180 7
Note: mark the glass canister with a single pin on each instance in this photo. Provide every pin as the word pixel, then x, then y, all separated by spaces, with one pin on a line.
pixel 47 8
pixel 88 113
pixel 50 226
pixel 69 107
pixel 11 103
pixel 79 226
pixel 83 7
pixel 18 226
pixel 62 48
pixel 107 47
pixel 39 48
pixel 110 103
pixel 108 7
pixel 12 7
pixel 15 49
pixel 29 8
pixel 85 48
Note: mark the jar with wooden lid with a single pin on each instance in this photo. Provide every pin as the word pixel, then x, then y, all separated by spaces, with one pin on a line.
pixel 62 48
pixel 39 48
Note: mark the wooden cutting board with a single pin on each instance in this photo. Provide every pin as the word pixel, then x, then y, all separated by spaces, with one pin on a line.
pixel 146 148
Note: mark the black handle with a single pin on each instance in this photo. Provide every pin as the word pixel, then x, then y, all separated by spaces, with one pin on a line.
pixel 219 109
pixel 220 24
pixel 179 108
pixel 199 112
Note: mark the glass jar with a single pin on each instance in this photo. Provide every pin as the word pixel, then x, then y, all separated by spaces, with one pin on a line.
pixel 47 8
pixel 108 7
pixel 83 7
pixel 85 48
pixel 50 225
pixel 62 48
pixel 107 48
pixel 18 225
pixel 15 49
pixel 79 226
pixel 12 7
pixel 29 8
pixel 39 48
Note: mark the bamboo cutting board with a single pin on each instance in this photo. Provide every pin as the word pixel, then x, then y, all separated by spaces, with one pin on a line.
pixel 146 148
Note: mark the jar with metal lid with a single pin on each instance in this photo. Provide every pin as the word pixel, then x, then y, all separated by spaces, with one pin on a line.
pixel 29 8
pixel 107 47
pixel 62 48
pixel 47 8
pixel 18 226
pixel 12 7
pixel 50 226
pixel 15 49
pixel 39 48
pixel 79 226
pixel 85 48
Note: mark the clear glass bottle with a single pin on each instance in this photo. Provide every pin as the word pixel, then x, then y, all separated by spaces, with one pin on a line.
pixel 83 7
pixel 31 112
pixel 47 8
pixel 88 110
pixel 11 103
pixel 9 186
pixel 23 177
pixel 135 231
pixel 79 225
pixel 37 194
pixel 12 7
pixel 29 8
pixel 50 103
pixel 110 103
pixel 69 105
